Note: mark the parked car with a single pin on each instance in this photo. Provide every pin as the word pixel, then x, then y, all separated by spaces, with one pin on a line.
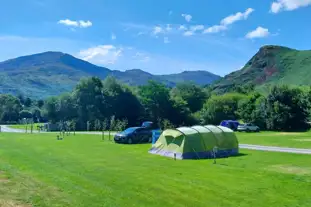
pixel 142 134
pixel 230 124
pixel 249 127
pixel 150 125
pixel 134 135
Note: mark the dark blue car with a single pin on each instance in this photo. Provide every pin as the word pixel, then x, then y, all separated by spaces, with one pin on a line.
pixel 230 124
pixel 134 135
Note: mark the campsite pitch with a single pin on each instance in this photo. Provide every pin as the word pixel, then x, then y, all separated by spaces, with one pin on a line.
pixel 83 170
pixel 279 139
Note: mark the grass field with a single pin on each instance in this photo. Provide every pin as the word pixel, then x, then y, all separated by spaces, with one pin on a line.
pixel 83 170
pixel 282 139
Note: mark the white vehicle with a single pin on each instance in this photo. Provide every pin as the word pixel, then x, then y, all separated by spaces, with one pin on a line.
pixel 248 128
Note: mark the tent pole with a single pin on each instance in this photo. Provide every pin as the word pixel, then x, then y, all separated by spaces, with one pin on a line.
pixel 196 153
pixel 202 139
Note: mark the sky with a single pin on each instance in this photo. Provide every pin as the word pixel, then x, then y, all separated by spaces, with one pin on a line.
pixel 158 36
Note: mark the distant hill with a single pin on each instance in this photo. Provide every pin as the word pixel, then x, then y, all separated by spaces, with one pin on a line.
pixel 199 77
pixel 270 66
pixel 51 73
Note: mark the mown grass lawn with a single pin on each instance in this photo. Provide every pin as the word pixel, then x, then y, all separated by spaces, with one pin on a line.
pixel 83 170
pixel 282 139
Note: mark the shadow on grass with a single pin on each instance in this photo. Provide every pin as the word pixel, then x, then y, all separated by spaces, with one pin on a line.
pixel 240 155
pixel 232 156
pixel 222 158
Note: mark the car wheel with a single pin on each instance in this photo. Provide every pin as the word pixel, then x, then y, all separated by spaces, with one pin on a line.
pixel 129 141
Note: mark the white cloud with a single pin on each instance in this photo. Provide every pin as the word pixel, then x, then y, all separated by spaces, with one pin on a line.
pixel 113 36
pixel 101 54
pixel 85 24
pixel 228 21
pixel 68 22
pixel 157 30
pixel 187 17
pixel 166 40
pixel 182 27
pixel 71 23
pixel 215 29
pixel 237 17
pixel 196 27
pixel 260 32
pixel 276 7
pixel 188 33
pixel 288 5
pixel 140 33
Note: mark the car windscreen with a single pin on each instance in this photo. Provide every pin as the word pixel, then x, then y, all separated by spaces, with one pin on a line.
pixel 129 130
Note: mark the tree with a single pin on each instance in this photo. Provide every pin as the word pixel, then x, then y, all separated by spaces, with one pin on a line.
pixel 244 89
pixel 121 101
pixel 180 114
pixel 219 108
pixel 40 103
pixel 21 99
pixel 73 125
pixel 25 114
pixel 105 125
pixel 28 102
pixel 10 107
pixel 97 125
pixel 112 123
pixel 51 110
pixel 193 95
pixel 66 107
pixel 36 114
pixel 89 100
pixel 287 109
pixel 120 125
pixel 252 109
pixel 166 124
pixel 156 100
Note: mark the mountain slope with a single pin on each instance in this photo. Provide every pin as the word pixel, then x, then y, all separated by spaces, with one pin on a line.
pixel 139 77
pixel 52 73
pixel 199 77
pixel 271 65
pixel 45 74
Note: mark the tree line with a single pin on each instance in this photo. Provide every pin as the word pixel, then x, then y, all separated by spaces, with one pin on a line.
pixel 95 104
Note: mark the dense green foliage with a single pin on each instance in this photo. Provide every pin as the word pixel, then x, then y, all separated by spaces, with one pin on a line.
pixel 52 73
pixel 94 104
pixel 83 170
pixel 272 65
pixel 219 108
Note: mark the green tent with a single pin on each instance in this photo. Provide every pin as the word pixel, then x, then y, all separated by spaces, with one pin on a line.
pixel 197 142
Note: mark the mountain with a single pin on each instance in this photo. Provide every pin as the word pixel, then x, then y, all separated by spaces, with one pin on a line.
pixel 51 73
pixel 199 77
pixel 271 65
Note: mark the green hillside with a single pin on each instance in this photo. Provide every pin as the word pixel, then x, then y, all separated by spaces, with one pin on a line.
pixel 52 73
pixel 271 65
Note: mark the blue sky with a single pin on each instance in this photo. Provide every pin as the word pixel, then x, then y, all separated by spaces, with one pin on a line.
pixel 158 36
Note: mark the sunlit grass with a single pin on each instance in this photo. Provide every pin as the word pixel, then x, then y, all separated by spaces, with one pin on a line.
pixel 282 139
pixel 83 170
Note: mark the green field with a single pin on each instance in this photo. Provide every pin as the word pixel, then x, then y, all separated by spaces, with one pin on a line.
pixel 83 170
pixel 282 139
